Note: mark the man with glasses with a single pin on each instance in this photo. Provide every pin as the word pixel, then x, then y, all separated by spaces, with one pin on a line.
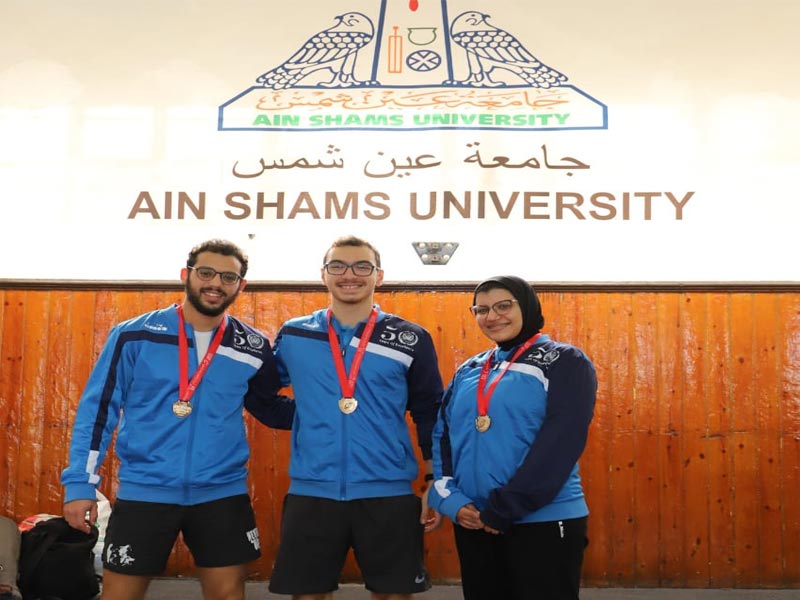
pixel 355 371
pixel 175 380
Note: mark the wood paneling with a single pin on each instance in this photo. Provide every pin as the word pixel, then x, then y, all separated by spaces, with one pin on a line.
pixel 692 469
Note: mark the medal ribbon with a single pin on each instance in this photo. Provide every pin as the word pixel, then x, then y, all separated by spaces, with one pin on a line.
pixel 187 388
pixel 347 383
pixel 485 395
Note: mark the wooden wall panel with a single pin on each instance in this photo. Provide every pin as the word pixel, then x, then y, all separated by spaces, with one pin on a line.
pixel 11 396
pixel 646 440
pixel 789 317
pixel 694 440
pixel 596 467
pixel 767 382
pixel 670 499
pixel 692 468
pixel 716 369
pixel 5 410
pixel 56 427
pixel 744 442
pixel 31 406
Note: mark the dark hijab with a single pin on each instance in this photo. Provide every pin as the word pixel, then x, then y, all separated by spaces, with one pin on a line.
pixel 523 292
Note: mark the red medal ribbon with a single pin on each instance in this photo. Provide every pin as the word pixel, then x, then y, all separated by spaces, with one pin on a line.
pixel 485 395
pixel 348 382
pixel 187 388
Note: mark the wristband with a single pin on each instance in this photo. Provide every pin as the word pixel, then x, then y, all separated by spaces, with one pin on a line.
pixel 428 476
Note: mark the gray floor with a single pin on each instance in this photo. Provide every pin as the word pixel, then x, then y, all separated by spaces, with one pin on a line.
pixel 171 589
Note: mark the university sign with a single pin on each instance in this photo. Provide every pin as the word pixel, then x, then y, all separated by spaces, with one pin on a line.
pixel 412 68
pixel 598 143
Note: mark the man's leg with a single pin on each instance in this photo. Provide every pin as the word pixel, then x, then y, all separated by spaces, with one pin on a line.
pixel 388 545
pixel 313 548
pixel 124 587
pixel 223 538
pixel 223 583
pixel 138 541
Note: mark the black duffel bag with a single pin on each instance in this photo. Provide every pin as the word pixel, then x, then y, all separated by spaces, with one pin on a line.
pixel 57 561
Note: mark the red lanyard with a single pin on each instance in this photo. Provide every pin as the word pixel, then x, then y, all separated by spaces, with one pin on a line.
pixel 348 382
pixel 187 388
pixel 485 395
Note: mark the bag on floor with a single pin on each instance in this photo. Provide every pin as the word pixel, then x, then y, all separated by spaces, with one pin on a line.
pixel 57 561
pixel 9 559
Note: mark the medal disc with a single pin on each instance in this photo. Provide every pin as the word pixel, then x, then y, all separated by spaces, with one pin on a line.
pixel 182 409
pixel 482 423
pixel 348 405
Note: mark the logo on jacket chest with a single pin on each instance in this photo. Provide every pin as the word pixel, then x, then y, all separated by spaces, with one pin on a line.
pixel 541 357
pixel 247 341
pixel 394 336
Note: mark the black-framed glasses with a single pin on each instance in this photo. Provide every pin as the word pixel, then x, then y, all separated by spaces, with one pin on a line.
pixel 500 308
pixel 362 268
pixel 207 274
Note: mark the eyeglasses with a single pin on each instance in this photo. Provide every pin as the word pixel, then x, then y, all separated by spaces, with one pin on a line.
pixel 500 308
pixel 207 274
pixel 361 268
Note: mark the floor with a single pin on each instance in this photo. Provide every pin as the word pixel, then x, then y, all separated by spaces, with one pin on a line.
pixel 170 589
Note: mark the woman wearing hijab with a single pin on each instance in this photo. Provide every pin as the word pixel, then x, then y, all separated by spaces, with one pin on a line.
pixel 512 425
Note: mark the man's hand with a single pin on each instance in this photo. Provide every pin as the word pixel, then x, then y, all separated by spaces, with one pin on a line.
pixel 429 517
pixel 81 514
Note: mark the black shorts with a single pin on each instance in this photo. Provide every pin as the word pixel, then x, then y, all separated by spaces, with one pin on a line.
pixel 140 535
pixel 316 534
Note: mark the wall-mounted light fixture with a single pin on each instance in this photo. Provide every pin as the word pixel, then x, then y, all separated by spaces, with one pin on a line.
pixel 435 253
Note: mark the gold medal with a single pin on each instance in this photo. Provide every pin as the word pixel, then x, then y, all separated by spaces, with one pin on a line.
pixel 347 383
pixel 484 393
pixel 482 423
pixel 348 405
pixel 182 409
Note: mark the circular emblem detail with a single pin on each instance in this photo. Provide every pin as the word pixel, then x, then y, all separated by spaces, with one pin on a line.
pixel 423 60
pixel 255 341
pixel 550 356
pixel 408 338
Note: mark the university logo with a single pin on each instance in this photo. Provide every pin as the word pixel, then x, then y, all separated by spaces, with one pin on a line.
pixel 413 66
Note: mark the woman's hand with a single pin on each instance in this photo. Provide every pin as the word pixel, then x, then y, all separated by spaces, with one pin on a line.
pixel 469 517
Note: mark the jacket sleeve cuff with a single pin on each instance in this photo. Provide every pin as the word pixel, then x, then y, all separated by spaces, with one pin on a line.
pixel 452 504
pixel 80 491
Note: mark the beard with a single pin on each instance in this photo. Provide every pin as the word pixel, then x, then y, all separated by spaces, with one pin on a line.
pixel 194 298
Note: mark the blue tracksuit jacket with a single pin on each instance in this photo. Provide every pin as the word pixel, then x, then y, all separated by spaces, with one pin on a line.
pixel 524 467
pixel 134 383
pixel 368 453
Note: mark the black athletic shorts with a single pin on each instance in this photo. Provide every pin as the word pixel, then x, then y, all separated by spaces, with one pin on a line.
pixel 316 534
pixel 140 535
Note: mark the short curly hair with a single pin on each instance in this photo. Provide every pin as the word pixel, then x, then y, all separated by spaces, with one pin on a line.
pixel 218 246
